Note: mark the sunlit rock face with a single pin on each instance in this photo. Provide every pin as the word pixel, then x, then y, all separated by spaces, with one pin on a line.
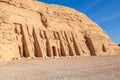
pixel 29 28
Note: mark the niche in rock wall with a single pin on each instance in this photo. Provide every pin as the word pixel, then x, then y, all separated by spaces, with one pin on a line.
pixel 37 50
pixel 54 51
pixel 24 41
pixel 43 20
pixel 20 37
pixel 103 48
pixel 90 46
pixel 69 39
pixel 62 45
pixel 18 33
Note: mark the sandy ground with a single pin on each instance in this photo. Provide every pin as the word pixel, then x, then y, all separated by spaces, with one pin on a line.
pixel 75 68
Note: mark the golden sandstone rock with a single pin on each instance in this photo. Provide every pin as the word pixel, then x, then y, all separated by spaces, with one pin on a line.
pixel 29 28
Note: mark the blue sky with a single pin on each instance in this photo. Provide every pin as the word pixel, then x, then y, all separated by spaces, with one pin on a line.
pixel 105 13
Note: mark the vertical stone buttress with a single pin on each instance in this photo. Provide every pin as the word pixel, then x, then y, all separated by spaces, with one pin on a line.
pixel 27 41
pixel 40 42
pixel 53 44
pixel 33 42
pixel 80 44
pixel 30 42
pixel 96 45
pixel 90 46
pixel 19 38
pixel 69 37
pixel 76 45
pixel 63 43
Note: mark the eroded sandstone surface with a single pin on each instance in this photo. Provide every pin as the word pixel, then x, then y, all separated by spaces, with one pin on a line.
pixel 29 28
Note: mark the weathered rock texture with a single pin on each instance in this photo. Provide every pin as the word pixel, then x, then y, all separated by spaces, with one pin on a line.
pixel 29 28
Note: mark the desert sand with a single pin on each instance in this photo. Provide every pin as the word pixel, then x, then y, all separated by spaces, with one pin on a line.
pixel 80 68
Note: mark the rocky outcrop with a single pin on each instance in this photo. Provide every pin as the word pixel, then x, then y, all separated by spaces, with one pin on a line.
pixel 32 29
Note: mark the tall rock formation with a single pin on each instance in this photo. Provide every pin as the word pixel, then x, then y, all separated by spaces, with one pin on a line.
pixel 29 28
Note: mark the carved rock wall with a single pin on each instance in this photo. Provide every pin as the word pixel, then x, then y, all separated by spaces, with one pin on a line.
pixel 32 29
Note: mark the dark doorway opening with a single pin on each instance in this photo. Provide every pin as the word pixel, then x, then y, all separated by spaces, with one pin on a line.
pixel 24 52
pixel 103 48
pixel 54 51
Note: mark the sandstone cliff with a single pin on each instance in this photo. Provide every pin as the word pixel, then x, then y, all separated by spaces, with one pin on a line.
pixel 29 28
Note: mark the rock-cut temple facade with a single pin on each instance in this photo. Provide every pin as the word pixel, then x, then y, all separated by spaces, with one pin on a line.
pixel 29 28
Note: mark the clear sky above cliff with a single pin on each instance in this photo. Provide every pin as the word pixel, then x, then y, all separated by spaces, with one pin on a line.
pixel 106 13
